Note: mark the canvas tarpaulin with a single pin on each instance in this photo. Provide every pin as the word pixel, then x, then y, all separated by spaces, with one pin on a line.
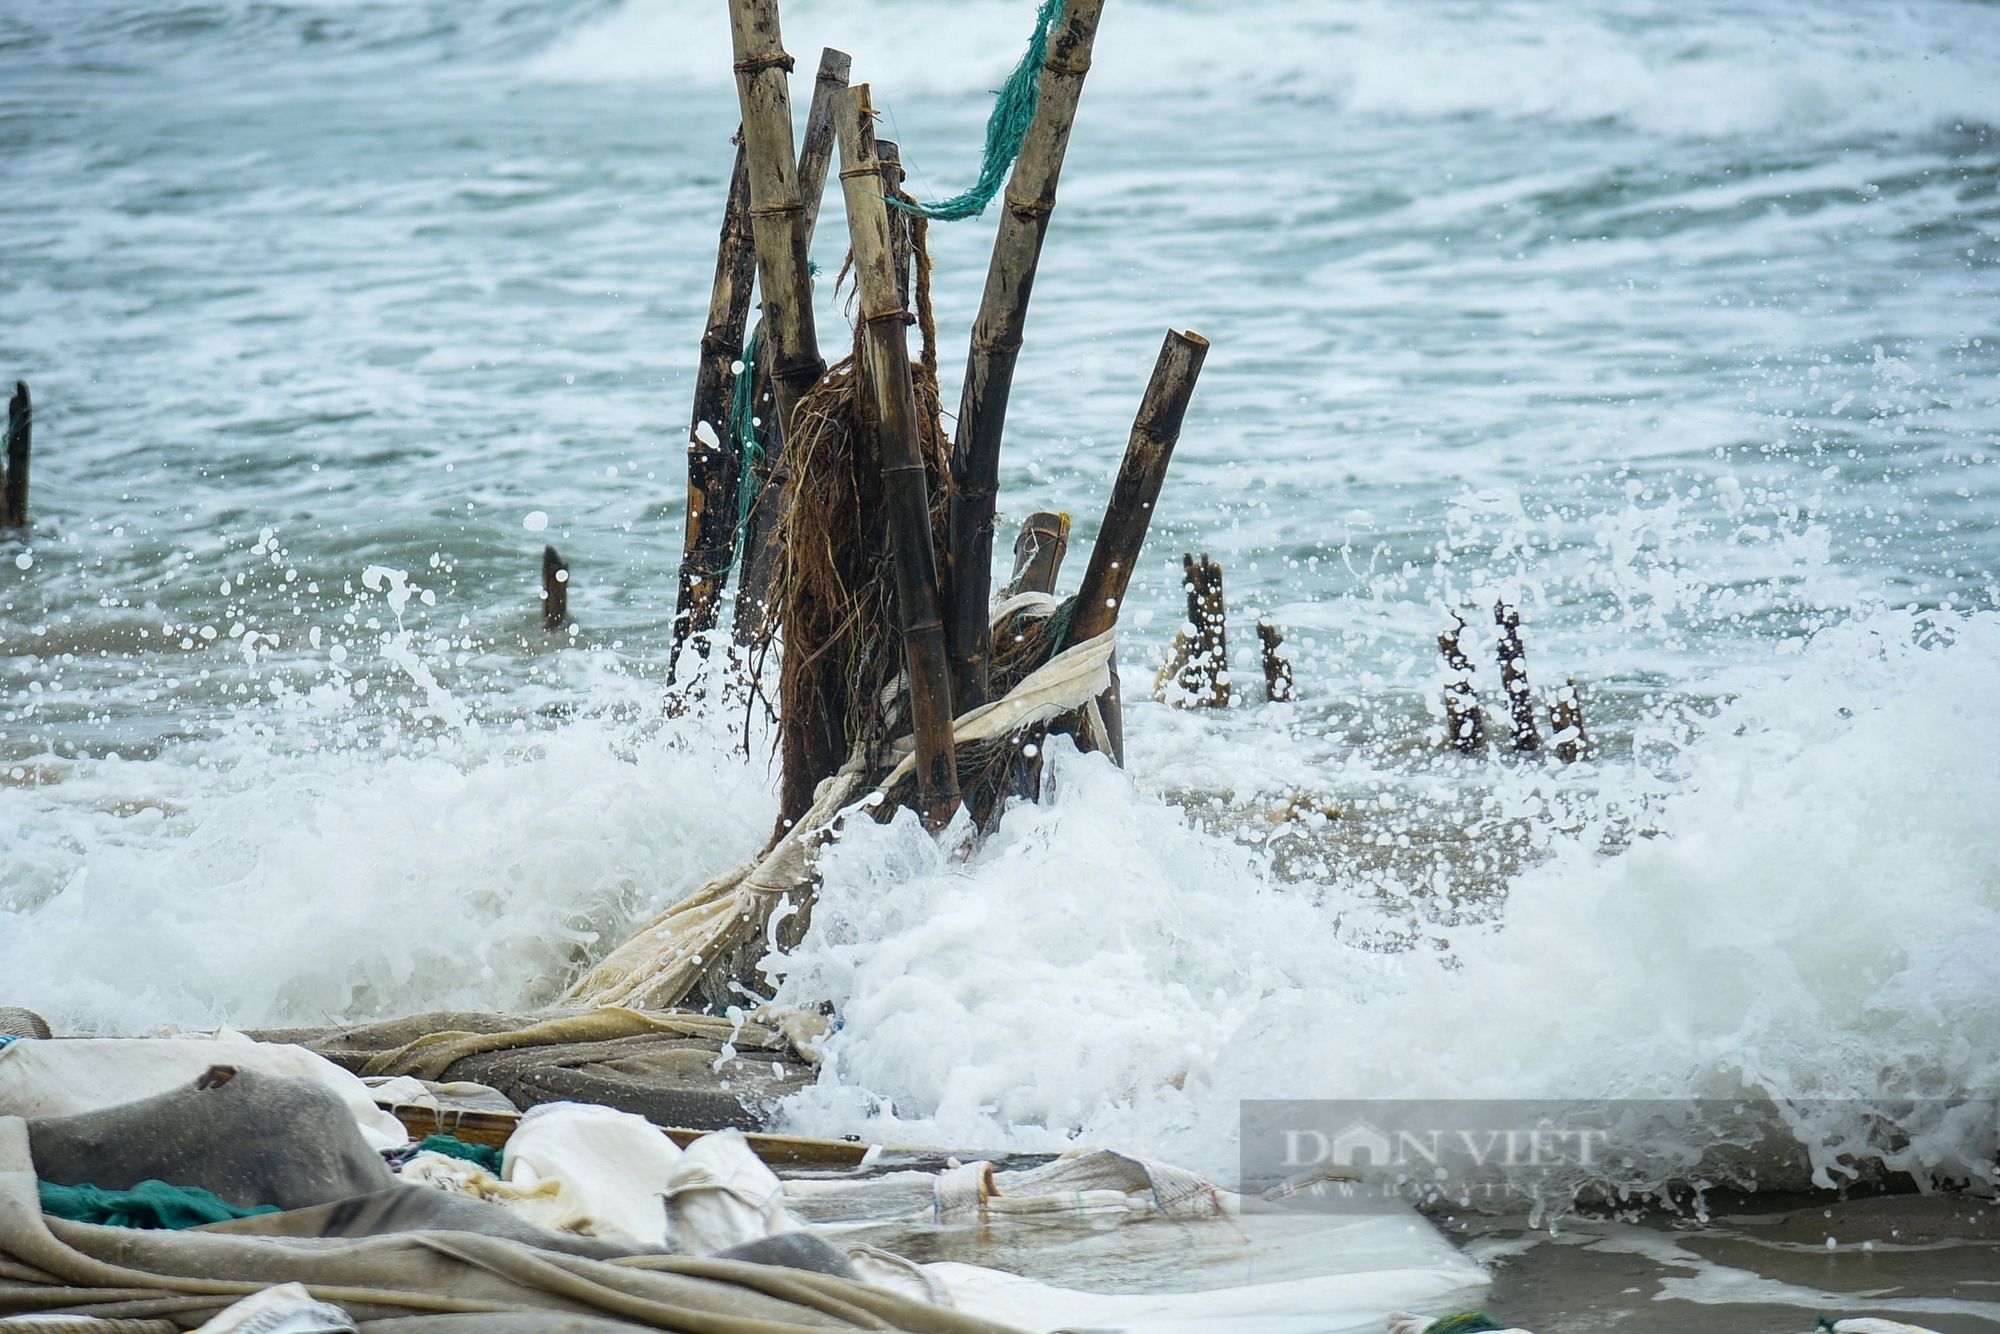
pixel 49 1265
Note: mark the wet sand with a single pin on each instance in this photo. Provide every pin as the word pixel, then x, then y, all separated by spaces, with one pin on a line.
pixel 1933 1261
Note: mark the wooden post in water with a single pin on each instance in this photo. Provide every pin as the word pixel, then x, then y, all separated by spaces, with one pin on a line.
pixel 1514 677
pixel 555 589
pixel 1140 476
pixel 1465 726
pixel 1567 714
pixel 886 365
pixel 20 428
pixel 996 343
pixel 715 456
pixel 1203 675
pixel 1039 552
pixel 1277 671
pixel 760 531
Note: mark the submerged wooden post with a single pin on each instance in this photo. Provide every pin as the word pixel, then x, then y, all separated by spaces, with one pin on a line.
pixel 555 589
pixel 20 427
pixel 996 343
pixel 1514 677
pixel 1039 552
pixel 1140 476
pixel 1465 726
pixel 1277 671
pixel 715 455
pixel 1202 672
pixel 1565 716
pixel 886 362
pixel 770 408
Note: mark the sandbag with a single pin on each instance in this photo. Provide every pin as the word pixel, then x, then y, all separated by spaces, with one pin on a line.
pixel 249 1137
pixel 71 1075
pixel 720 1194
pixel 615 1166
pixel 403 1208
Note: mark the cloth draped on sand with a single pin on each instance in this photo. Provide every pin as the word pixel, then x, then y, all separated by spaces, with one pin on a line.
pixel 664 959
pixel 49 1265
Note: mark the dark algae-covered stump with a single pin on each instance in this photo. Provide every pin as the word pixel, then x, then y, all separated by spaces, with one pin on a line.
pixel 1197 671
pixel 20 429
pixel 1514 677
pixel 555 589
pixel 1465 726
pixel 1277 671
pixel 1572 743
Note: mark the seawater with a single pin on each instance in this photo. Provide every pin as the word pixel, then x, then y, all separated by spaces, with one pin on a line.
pixel 1673 326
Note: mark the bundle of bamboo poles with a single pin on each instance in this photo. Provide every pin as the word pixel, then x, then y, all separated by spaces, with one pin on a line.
pixel 866 537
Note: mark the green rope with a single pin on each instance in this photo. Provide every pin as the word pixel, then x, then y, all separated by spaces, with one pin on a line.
pixel 150 1204
pixel 1465 1322
pixel 743 426
pixel 1013 113
pixel 480 1155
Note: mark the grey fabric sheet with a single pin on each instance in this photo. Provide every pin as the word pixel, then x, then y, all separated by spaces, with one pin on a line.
pixel 49 1265
pixel 249 1137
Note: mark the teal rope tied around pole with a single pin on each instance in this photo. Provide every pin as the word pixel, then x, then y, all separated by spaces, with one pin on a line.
pixel 743 425
pixel 1013 113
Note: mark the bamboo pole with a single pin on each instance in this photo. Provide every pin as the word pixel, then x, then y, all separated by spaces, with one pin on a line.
pixel 1140 477
pixel 715 457
pixel 1464 724
pixel 772 403
pixel 886 363
pixel 901 246
pixel 20 427
pixel 996 343
pixel 1039 552
pixel 1514 677
pixel 555 589
pixel 777 211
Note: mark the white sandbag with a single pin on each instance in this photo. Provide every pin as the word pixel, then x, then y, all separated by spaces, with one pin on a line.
pixel 721 1195
pixel 64 1076
pixel 614 1166
pixel 286 1308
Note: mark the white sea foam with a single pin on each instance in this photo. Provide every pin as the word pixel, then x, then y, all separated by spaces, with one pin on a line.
pixel 1704 70
pixel 1817 916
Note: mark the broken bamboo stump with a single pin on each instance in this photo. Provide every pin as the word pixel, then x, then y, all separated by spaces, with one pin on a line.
pixel 996 343
pixel 555 589
pixel 1197 672
pixel 715 455
pixel 1572 743
pixel 20 428
pixel 886 364
pixel 1277 671
pixel 1038 553
pixel 1514 677
pixel 1465 726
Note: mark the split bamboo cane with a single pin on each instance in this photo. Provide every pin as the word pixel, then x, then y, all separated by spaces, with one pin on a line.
pixel 1039 552
pixel 886 362
pixel 996 343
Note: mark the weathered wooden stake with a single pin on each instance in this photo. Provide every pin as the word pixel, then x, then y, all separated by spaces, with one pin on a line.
pixel 1140 476
pixel 1203 669
pixel 900 244
pixel 20 427
pixel 555 589
pixel 886 362
pixel 1567 713
pixel 1514 677
pixel 1465 725
pixel 1277 671
pixel 1039 552
pixel 715 457
pixel 996 342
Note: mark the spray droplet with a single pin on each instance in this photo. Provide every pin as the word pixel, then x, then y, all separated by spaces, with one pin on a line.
pixel 536 521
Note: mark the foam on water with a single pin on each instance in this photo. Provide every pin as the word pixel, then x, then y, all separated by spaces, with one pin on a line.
pixel 1816 915
pixel 1700 70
